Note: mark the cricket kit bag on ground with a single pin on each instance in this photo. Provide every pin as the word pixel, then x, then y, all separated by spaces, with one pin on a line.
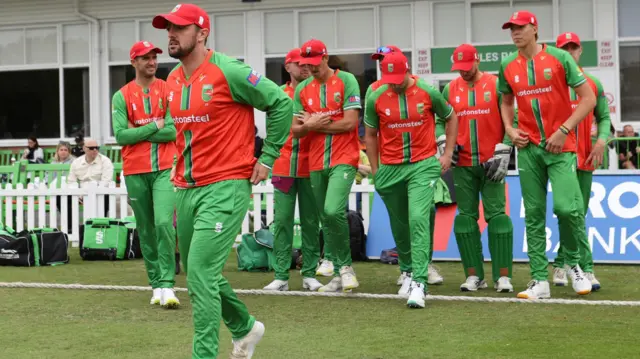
pixel 33 248
pixel 255 252
pixel 109 239
pixel 357 237
pixel 389 256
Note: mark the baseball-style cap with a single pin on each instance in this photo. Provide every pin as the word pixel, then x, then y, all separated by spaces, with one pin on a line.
pixel 312 52
pixel 142 48
pixel 183 15
pixel 521 18
pixel 463 57
pixel 383 50
pixel 394 66
pixel 567 38
pixel 293 56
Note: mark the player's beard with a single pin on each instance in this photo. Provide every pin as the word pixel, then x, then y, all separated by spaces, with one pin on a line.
pixel 469 76
pixel 182 51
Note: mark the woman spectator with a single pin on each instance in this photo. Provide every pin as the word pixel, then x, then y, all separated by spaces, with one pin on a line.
pixel 63 154
pixel 33 153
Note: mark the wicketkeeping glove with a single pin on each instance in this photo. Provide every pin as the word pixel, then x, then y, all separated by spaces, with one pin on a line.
pixel 441 142
pixel 497 167
pixel 456 155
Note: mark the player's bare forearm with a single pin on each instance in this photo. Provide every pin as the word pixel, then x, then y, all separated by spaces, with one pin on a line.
pixel 347 124
pixel 451 133
pixel 507 110
pixel 371 141
pixel 585 106
pixel 298 128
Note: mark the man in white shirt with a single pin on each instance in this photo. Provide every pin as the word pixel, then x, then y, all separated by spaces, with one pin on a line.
pixel 92 166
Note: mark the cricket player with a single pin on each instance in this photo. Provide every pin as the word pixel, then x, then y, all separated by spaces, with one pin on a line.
pixel 403 160
pixel 539 77
pixel 327 106
pixel 404 259
pixel 211 100
pixel 148 150
pixel 291 180
pixel 589 157
pixel 475 98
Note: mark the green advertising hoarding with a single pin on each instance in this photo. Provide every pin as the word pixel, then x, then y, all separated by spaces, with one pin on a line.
pixel 492 55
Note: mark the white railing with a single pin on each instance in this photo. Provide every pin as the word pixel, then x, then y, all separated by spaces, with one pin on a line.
pixel 38 205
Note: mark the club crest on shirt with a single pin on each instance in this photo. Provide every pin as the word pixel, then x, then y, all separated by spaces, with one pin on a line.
pixel 254 78
pixel 160 106
pixel 547 74
pixel 487 96
pixel 207 92
pixel 337 97
pixel 420 108
pixel 387 112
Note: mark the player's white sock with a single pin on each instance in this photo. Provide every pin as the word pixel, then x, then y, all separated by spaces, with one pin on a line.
pixel 503 285
pixel 433 275
pixel 416 297
pixel 278 285
pixel 580 283
pixel 560 277
pixel 595 283
pixel 536 289
pixel 244 348
pixel 472 284
pixel 405 289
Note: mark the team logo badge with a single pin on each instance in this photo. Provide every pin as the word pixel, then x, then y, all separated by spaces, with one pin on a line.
pixel 387 112
pixel 308 50
pixel 176 8
pixel 207 92
pixel 547 74
pixel 515 15
pixel 487 96
pixel 146 44
pixel 337 97
pixel 568 36
pixel 390 68
pixel 460 54
pixel 420 108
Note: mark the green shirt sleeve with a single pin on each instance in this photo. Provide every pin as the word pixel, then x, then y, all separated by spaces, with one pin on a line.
pixel 440 106
pixel 297 102
pixel 371 118
pixel 251 88
pixel 503 85
pixel 168 132
pixel 441 122
pixel 574 76
pixel 351 92
pixel 601 111
pixel 120 122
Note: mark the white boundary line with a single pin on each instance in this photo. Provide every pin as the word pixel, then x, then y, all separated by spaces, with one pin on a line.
pixel 341 295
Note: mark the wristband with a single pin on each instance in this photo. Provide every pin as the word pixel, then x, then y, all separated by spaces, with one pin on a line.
pixel 564 130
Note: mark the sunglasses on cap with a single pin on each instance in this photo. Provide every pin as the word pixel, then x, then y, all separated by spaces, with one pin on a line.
pixel 383 50
pixel 93 148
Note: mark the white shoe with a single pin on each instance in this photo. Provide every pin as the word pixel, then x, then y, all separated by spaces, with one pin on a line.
pixel 560 277
pixel 536 289
pixel 244 348
pixel 157 294
pixel 579 281
pixel 168 299
pixel 278 285
pixel 472 284
pixel 401 278
pixel 311 284
pixel 433 275
pixel 416 297
pixel 325 269
pixel 405 290
pixel 349 280
pixel 334 286
pixel 503 285
pixel 595 283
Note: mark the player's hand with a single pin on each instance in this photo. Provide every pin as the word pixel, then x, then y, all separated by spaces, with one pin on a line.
pixel 597 154
pixel 556 142
pixel 160 123
pixel 130 125
pixel 442 143
pixel 445 162
pixel 260 173
pixel 518 137
pixel 497 167
pixel 172 175
pixel 317 121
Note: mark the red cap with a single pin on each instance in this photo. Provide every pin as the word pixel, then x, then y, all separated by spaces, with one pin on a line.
pixel 312 52
pixel 383 50
pixel 142 48
pixel 394 66
pixel 521 18
pixel 463 57
pixel 567 38
pixel 183 15
pixel 293 56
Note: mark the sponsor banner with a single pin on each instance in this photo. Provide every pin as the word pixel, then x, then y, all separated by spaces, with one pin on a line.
pixel 612 223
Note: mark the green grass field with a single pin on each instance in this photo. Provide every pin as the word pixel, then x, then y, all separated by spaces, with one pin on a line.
pixel 65 323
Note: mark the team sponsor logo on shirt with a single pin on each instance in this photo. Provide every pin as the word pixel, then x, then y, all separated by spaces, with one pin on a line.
pixel 329 113
pixel 207 92
pixel 144 121
pixel 191 119
pixel 535 91
pixel 254 78
pixel 547 74
pixel 475 112
pixel 353 99
pixel 337 97
pixel 400 125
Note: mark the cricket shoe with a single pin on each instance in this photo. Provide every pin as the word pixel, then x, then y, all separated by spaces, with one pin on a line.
pixel 579 281
pixel 335 285
pixel 157 294
pixel 560 277
pixel 325 269
pixel 349 280
pixel 168 299
pixel 243 348
pixel 278 285
pixel 311 284
pixel 416 297
pixel 503 285
pixel 595 283
pixel 405 289
pixel 472 284
pixel 433 275
pixel 402 276
pixel 536 289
